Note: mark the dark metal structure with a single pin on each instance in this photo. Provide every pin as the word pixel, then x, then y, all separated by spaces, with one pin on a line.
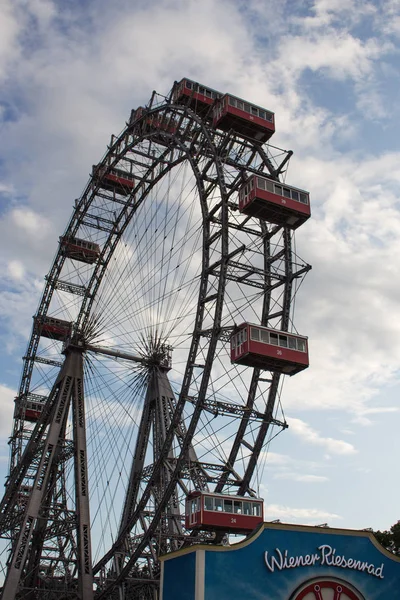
pixel 156 256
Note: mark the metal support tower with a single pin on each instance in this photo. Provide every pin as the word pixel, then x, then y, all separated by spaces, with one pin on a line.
pixel 40 464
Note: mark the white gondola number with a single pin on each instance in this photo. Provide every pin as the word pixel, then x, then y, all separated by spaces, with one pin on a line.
pixel 233 520
pixel 279 352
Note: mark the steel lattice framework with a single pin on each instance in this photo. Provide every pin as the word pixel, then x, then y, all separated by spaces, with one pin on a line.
pixel 178 267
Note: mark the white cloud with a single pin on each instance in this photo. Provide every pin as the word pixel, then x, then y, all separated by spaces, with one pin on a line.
pixel 348 432
pixel 4 187
pixel 350 297
pixel 313 437
pixel 305 516
pixel 362 417
pixel 28 238
pixel 302 478
pixel 9 30
pixel 341 54
pixel 42 10
pixel 19 294
pixel 327 12
pixel 16 270
pixel 31 222
pixel 7 396
pixel 276 459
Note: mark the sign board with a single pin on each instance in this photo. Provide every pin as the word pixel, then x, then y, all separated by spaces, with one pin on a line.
pixel 285 562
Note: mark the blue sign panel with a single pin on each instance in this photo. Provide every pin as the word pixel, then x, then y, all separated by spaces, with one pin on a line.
pixel 178 580
pixel 284 562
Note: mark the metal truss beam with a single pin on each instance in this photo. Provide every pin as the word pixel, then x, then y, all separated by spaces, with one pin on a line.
pixel 43 360
pixel 42 456
pixel 218 408
pixel 71 288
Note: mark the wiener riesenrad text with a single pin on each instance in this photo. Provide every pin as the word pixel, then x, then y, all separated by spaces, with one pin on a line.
pixel 325 555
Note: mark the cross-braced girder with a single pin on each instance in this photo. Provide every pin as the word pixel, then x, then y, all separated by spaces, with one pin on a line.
pixel 38 539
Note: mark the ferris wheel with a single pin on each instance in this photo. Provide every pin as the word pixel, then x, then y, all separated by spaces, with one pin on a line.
pixel 154 365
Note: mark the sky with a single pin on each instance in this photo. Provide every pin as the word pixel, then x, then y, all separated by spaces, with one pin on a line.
pixel 70 72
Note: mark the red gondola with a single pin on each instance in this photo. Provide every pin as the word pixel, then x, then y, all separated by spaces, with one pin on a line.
pixel 136 114
pixel 275 202
pixel 236 514
pixel 114 180
pixel 77 249
pixel 154 122
pixel 29 409
pixel 198 97
pixel 244 118
pixel 33 411
pixel 257 346
pixel 53 328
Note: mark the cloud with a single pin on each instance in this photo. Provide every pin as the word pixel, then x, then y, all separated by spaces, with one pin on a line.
pixel 330 12
pixel 313 437
pixel 276 459
pixel 27 236
pixel 298 515
pixel 348 301
pixel 7 396
pixel 362 417
pixel 28 220
pixel 348 431
pixel 16 270
pixel 19 294
pixel 301 478
pixel 339 53
pixel 6 189
pixel 9 30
